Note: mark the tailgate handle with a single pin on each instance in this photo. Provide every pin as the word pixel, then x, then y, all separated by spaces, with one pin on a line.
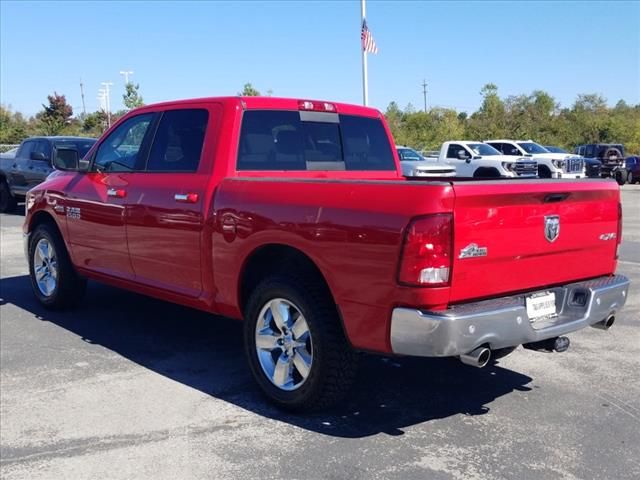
pixel 556 197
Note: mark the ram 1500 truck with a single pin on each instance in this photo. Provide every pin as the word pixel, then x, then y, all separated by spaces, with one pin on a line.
pixel 294 216
pixel 478 160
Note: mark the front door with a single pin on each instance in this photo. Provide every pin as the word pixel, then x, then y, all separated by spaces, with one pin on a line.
pixel 95 201
pixel 165 204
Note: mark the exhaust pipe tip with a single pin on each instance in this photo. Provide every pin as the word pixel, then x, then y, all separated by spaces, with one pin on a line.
pixel 607 323
pixel 477 358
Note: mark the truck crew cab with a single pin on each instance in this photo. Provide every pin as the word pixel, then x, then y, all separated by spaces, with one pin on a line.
pixel 293 215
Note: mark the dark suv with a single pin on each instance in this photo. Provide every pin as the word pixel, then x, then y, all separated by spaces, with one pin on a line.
pixel 632 165
pixel 611 155
pixel 32 165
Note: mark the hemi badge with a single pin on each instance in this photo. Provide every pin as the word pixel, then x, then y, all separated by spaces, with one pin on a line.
pixel 473 250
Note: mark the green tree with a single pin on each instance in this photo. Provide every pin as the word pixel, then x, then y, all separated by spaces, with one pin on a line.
pixel 132 98
pixel 249 91
pixel 490 120
pixel 13 127
pixel 55 116
pixel 95 123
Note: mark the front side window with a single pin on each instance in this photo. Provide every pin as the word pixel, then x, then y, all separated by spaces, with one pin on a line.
pixel 82 146
pixel 119 152
pixel 43 147
pixel 281 140
pixel 452 151
pixel 177 144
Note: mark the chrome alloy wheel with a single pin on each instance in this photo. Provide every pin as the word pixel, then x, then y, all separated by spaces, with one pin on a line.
pixel 283 344
pixel 45 267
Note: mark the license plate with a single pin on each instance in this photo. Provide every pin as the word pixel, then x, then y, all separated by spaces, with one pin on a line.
pixel 541 305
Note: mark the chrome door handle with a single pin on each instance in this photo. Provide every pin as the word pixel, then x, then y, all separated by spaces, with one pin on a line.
pixel 116 193
pixel 186 197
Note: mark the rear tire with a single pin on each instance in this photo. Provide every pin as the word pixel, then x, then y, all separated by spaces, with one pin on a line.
pixel 55 282
pixel 275 354
pixel 8 202
pixel 621 178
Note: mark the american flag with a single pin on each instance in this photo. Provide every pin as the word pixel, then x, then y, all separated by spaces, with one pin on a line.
pixel 368 43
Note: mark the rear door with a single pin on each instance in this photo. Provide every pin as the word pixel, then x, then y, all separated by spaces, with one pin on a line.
pixel 522 235
pixel 165 204
pixel 20 167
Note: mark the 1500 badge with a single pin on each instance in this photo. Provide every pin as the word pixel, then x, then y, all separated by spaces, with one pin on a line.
pixel 473 250
pixel 73 212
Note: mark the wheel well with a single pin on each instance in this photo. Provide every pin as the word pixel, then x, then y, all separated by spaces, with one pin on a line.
pixel 544 171
pixel 40 218
pixel 486 172
pixel 274 259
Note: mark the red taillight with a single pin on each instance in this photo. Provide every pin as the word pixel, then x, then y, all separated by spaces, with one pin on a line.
pixel 619 232
pixel 316 106
pixel 426 253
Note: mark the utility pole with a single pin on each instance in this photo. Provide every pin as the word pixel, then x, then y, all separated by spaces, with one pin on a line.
pixel 125 74
pixel 424 93
pixel 84 109
pixel 108 100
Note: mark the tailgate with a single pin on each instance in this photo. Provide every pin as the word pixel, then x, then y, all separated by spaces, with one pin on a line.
pixel 516 222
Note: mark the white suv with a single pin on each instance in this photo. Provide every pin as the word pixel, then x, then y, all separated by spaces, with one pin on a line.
pixel 550 165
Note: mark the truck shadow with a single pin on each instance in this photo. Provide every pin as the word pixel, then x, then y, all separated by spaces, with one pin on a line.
pixel 206 353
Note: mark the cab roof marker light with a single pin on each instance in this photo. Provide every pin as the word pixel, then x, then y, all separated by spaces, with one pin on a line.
pixel 316 106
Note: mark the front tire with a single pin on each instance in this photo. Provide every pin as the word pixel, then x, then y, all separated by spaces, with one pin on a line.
pixel 55 282
pixel 295 345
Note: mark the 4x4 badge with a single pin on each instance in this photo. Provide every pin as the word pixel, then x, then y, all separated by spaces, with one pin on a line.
pixel 551 227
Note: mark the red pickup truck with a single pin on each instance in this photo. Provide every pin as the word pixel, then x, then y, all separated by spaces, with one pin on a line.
pixel 294 216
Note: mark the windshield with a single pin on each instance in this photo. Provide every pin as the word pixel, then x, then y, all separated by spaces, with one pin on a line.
pixel 82 146
pixel 555 149
pixel 409 155
pixel 483 149
pixel 531 147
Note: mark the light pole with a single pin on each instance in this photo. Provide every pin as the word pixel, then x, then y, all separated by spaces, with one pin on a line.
pixel 108 100
pixel 125 74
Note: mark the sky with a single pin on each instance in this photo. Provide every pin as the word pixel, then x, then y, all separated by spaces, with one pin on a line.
pixel 312 50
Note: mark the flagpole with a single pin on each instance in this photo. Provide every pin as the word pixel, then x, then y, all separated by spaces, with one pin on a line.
pixel 365 81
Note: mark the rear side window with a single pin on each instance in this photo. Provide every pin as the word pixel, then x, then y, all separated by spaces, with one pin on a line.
pixel 177 144
pixel 282 140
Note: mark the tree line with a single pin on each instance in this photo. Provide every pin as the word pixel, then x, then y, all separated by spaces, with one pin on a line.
pixel 537 116
pixel 57 118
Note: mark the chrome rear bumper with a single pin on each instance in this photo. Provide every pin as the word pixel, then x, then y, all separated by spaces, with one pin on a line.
pixel 503 322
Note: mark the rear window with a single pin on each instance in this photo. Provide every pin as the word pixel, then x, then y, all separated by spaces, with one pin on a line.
pixel 282 140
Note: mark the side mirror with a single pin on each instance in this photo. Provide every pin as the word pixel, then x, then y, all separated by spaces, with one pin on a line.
pixel 39 156
pixel 463 155
pixel 66 159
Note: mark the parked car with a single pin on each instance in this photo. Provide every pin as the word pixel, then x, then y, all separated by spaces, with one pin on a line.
pixel 415 165
pixel 592 166
pixel 610 155
pixel 32 164
pixel 294 216
pixel 11 153
pixel 478 160
pixel 632 165
pixel 550 165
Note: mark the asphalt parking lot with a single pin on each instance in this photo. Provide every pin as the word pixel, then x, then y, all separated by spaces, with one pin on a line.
pixel 130 387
